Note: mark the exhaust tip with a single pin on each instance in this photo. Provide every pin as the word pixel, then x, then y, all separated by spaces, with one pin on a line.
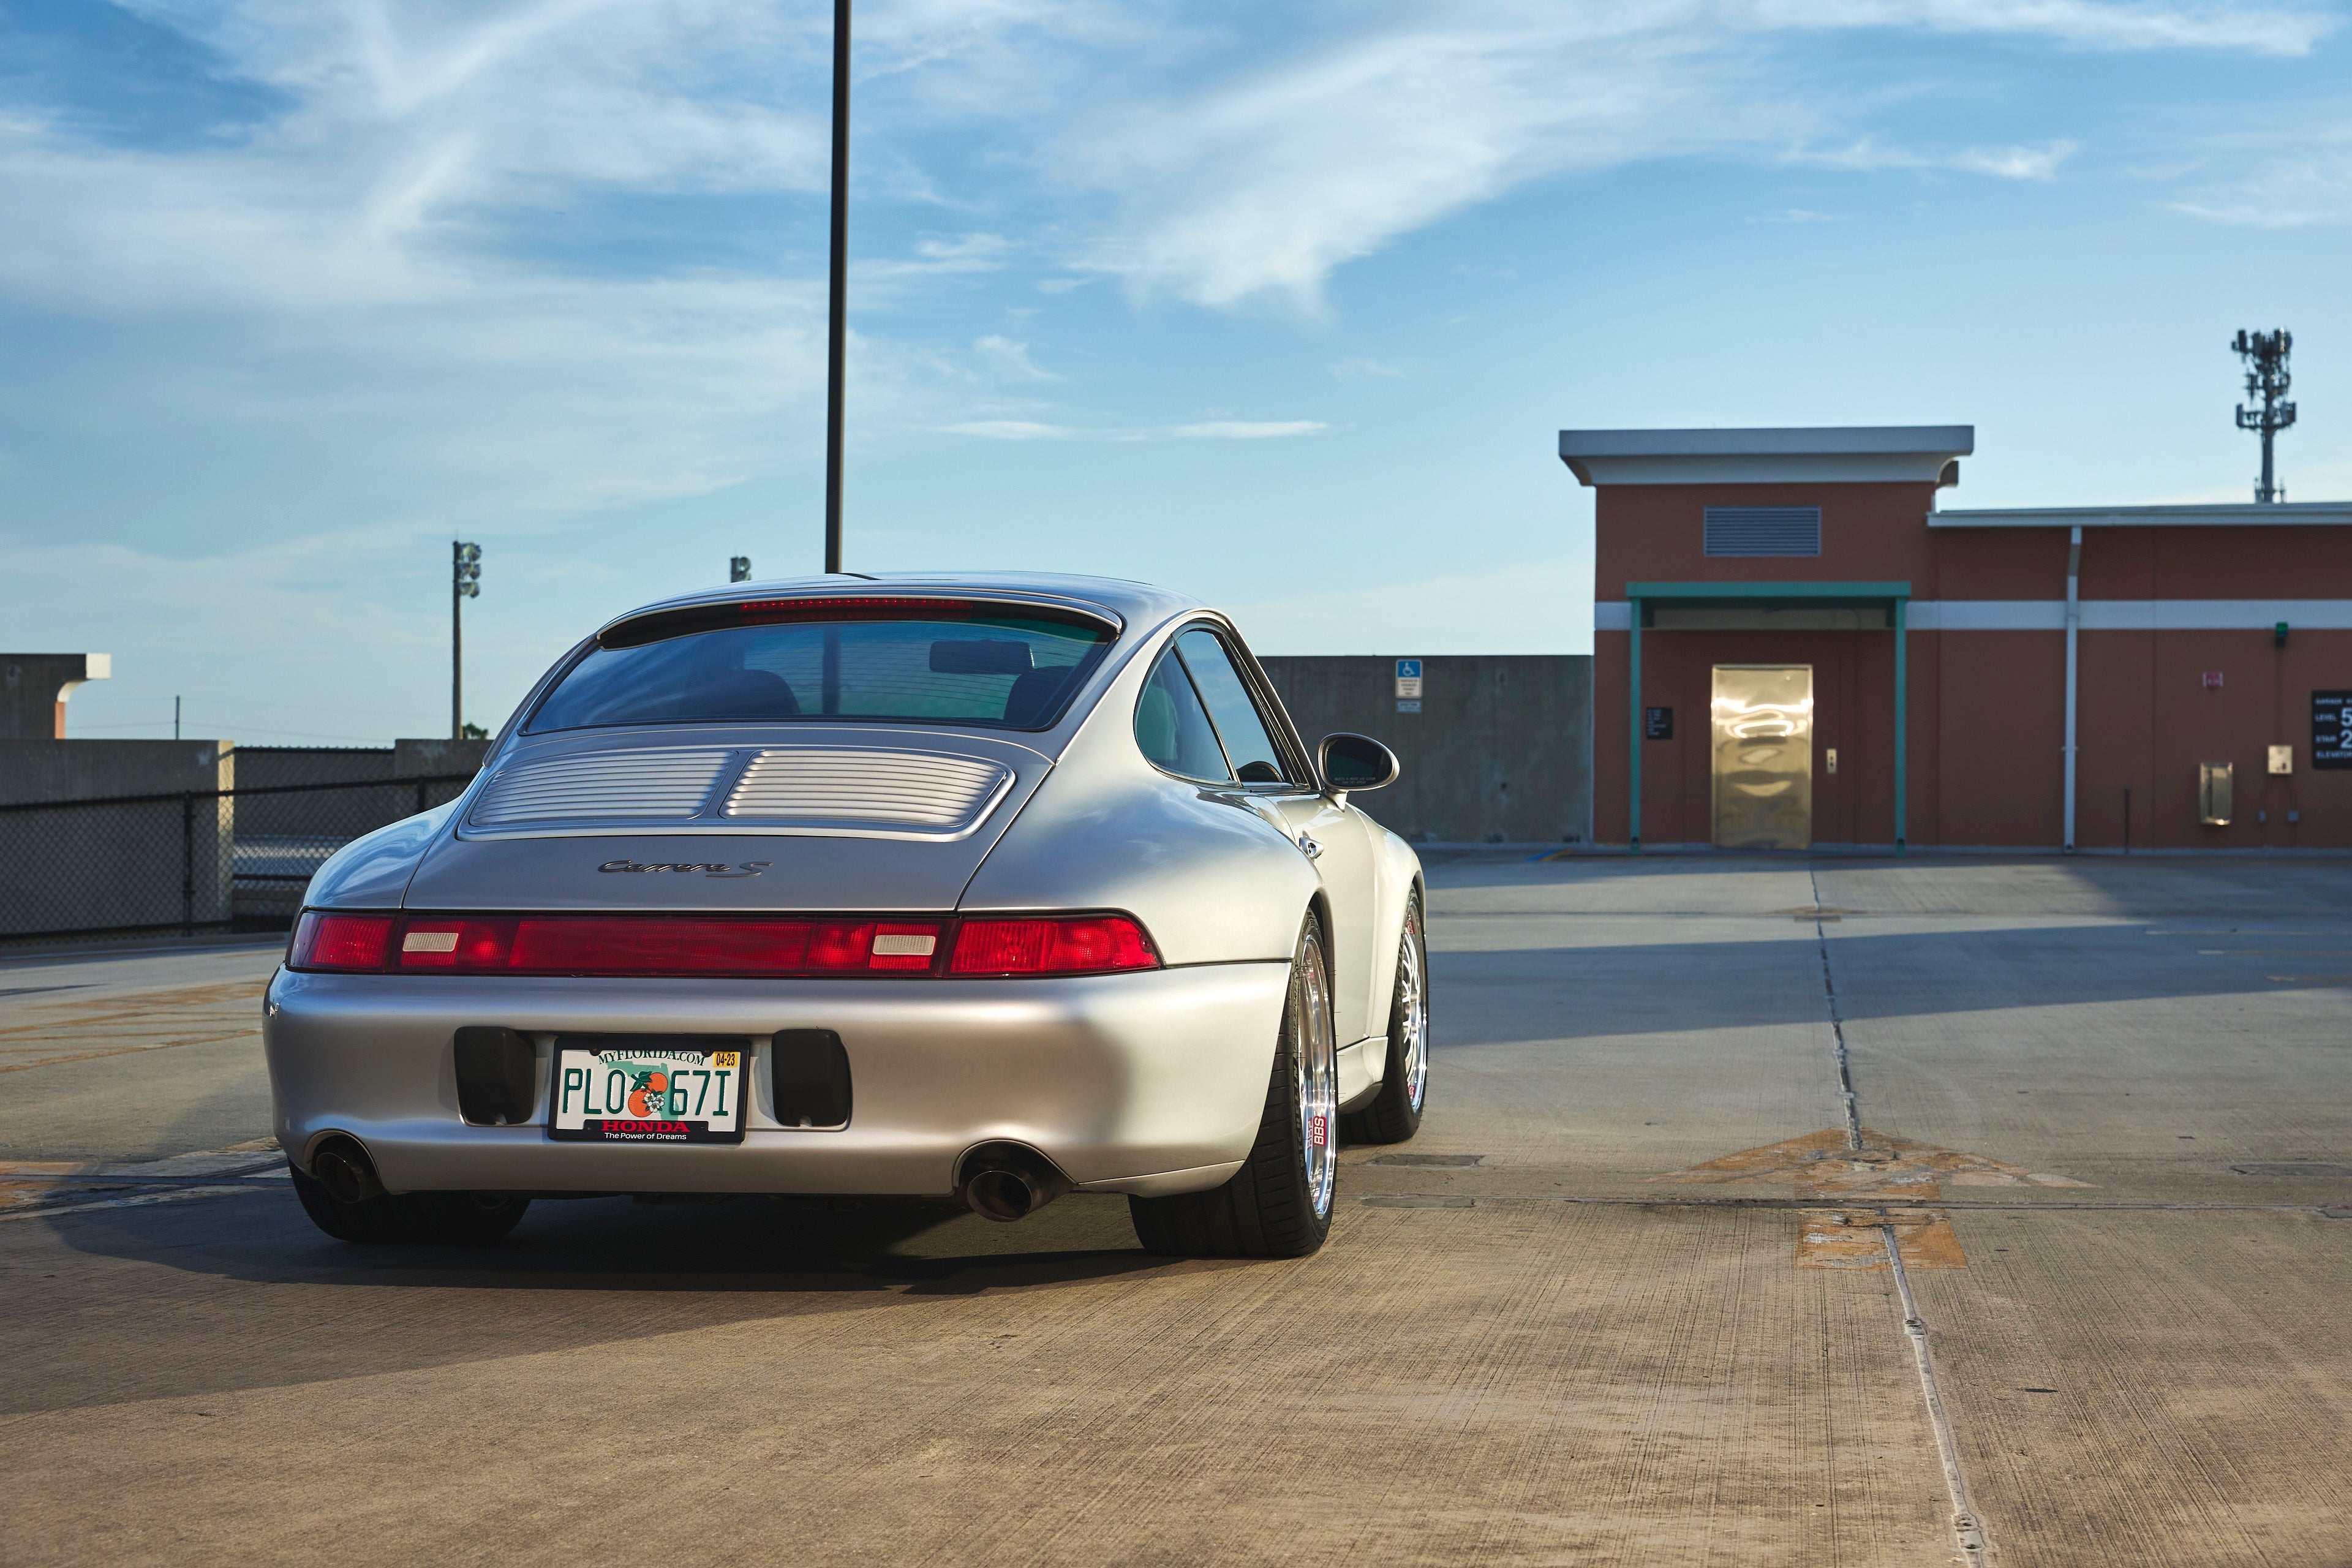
pixel 341 1166
pixel 1008 1183
pixel 1002 1195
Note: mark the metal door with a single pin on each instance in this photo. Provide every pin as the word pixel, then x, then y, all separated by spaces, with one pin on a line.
pixel 1763 722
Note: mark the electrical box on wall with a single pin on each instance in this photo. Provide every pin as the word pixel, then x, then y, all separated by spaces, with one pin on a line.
pixel 2281 759
pixel 2214 789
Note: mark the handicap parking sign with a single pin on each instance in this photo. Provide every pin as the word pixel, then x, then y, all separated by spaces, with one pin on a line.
pixel 1407 679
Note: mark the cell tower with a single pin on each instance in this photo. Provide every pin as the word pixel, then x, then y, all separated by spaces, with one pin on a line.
pixel 2266 377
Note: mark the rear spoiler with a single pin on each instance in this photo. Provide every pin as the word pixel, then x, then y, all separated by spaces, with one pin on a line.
pixel 660 624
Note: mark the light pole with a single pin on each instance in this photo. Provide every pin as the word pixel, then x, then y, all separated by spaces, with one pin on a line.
pixel 465 583
pixel 838 314
pixel 2266 378
pixel 739 569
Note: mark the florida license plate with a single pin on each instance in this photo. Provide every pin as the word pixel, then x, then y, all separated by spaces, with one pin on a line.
pixel 649 1088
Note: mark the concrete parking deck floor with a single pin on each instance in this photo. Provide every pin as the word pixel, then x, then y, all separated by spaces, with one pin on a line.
pixel 1521 1347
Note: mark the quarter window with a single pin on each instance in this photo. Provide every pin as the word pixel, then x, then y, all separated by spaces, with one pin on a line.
pixel 1248 745
pixel 1172 728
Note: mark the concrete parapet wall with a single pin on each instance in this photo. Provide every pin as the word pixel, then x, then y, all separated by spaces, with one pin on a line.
pixel 35 687
pixel 142 864
pixel 266 767
pixel 34 770
pixel 1500 752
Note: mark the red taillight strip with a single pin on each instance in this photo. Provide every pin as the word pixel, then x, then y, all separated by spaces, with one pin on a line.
pixel 1086 945
pixel 686 945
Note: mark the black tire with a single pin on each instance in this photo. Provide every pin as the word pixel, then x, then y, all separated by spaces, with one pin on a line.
pixel 1278 1204
pixel 419 1219
pixel 1393 1115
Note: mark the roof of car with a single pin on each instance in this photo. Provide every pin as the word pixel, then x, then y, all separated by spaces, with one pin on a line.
pixel 1136 604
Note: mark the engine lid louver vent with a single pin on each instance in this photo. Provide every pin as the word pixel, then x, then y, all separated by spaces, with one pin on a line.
pixel 1763 530
pixel 866 792
pixel 920 791
pixel 670 785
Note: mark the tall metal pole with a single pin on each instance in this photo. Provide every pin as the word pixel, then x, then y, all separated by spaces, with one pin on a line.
pixel 456 641
pixel 838 324
pixel 465 583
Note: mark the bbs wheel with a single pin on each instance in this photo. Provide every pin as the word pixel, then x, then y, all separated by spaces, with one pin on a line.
pixel 1394 1113
pixel 1278 1204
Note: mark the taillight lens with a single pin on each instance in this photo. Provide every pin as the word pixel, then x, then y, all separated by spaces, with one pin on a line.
pixel 1083 944
pixel 340 942
pixel 653 945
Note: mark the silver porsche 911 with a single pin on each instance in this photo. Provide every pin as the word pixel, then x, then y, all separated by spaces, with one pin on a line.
pixel 986 886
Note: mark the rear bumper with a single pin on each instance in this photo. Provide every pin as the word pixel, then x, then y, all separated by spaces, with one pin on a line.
pixel 1147 1083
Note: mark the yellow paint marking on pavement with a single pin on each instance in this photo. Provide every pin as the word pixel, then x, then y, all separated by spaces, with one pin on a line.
pixel 1885 1168
pixel 1856 1238
pixel 1822 1162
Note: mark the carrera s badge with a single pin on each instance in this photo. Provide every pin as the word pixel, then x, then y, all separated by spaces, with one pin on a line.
pixel 748 868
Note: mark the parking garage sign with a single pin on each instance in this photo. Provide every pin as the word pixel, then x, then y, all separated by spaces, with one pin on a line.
pixel 1408 685
pixel 2331 739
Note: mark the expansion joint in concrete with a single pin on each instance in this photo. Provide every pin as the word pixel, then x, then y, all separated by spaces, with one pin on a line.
pixel 1967 1529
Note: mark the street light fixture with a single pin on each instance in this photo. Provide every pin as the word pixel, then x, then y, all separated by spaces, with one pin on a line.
pixel 739 569
pixel 465 583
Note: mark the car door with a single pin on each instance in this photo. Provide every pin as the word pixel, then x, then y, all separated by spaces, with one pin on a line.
pixel 1281 784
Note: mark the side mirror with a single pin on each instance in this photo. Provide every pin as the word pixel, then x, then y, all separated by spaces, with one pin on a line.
pixel 1354 761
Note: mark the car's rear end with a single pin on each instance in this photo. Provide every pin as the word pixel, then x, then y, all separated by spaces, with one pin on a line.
pixel 702 927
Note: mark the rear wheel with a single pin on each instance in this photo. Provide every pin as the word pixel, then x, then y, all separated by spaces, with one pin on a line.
pixel 436 1219
pixel 1278 1204
pixel 1394 1113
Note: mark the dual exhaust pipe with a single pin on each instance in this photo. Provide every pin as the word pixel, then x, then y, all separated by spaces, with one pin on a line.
pixel 1004 1182
pixel 1008 1182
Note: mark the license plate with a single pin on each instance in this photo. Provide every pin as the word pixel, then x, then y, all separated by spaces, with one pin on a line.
pixel 649 1088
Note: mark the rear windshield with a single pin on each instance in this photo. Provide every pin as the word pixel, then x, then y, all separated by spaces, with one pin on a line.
pixel 1004 671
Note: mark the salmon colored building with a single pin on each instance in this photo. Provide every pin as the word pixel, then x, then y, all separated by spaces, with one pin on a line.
pixel 1795 645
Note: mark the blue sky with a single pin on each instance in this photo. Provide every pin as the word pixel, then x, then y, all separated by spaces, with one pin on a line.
pixel 1282 306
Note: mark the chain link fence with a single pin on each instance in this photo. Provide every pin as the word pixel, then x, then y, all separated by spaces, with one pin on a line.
pixel 201 861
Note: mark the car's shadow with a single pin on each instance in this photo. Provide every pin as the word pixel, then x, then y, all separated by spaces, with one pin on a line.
pixel 613 1244
pixel 240 1291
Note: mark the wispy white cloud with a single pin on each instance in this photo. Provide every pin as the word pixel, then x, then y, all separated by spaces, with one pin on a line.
pixel 1017 430
pixel 1206 430
pixel 2087 24
pixel 1008 360
pixel 2276 176
pixel 1247 430
pixel 1867 154
pixel 406 229
pixel 1356 367
pixel 1255 183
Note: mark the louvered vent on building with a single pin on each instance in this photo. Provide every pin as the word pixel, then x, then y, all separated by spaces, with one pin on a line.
pixel 1763 530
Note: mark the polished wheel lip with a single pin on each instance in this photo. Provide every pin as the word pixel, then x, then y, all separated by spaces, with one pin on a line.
pixel 1415 1006
pixel 1316 1065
